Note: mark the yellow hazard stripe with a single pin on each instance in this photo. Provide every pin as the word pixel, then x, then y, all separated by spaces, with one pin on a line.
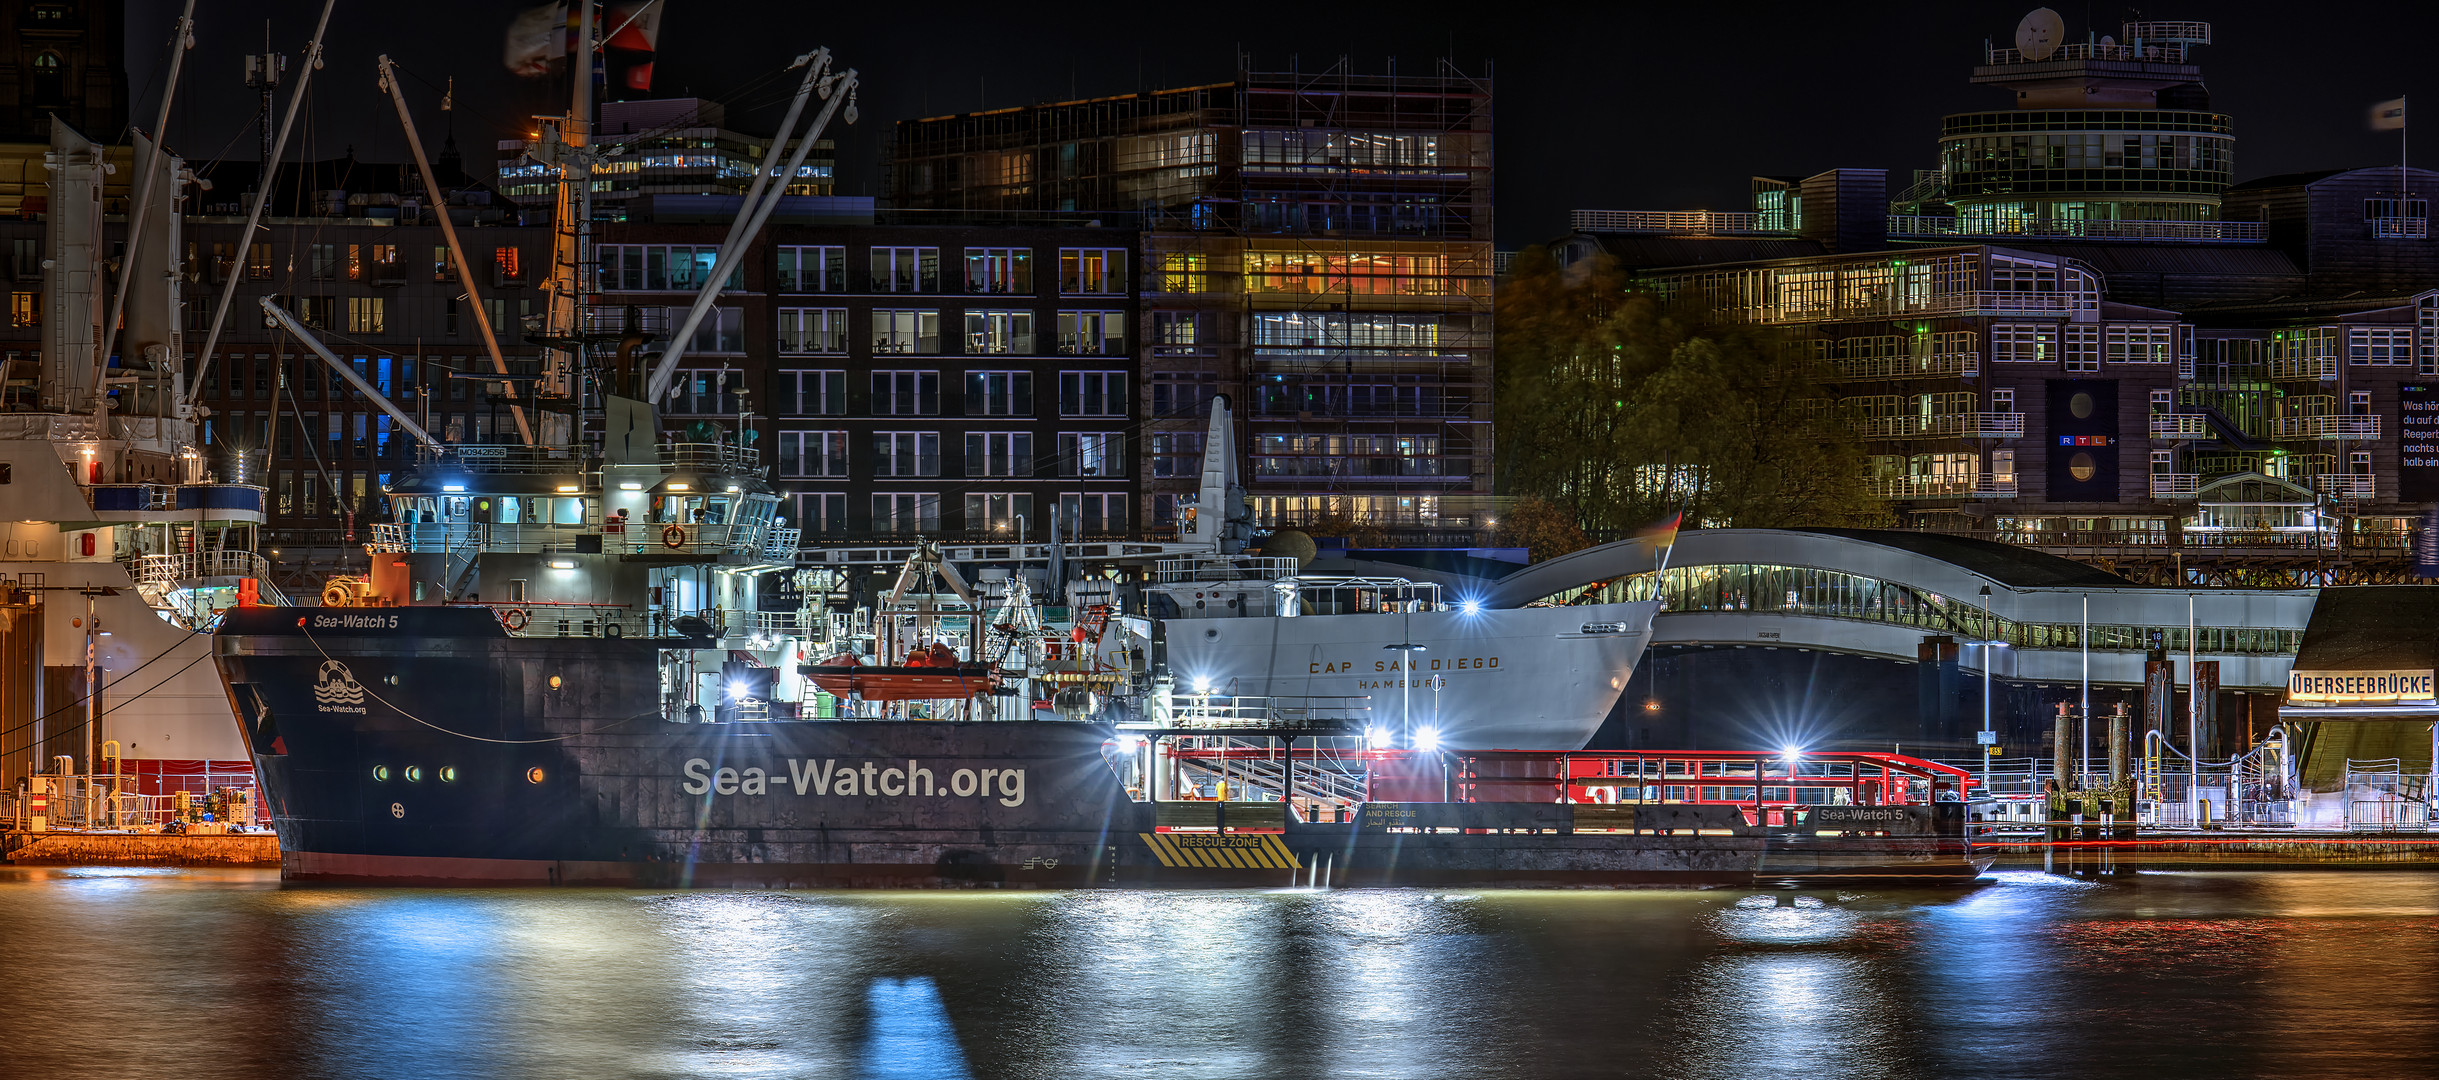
pixel 1159 851
pixel 1269 851
pixel 1183 854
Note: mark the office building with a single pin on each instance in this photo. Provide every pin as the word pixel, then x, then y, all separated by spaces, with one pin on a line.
pixel 1316 244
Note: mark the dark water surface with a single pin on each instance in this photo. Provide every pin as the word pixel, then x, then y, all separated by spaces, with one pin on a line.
pixel 201 974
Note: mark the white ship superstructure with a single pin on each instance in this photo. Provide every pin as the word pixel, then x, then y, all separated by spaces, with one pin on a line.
pixel 118 546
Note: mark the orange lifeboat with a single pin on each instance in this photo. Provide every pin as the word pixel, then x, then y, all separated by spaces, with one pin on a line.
pixel 932 673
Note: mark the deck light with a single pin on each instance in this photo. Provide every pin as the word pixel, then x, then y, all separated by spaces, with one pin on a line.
pixel 681 487
pixel 453 487
pixel 629 485
pixel 1427 740
pixel 563 564
pixel 1791 753
pixel 570 489
pixel 1469 607
pixel 1378 736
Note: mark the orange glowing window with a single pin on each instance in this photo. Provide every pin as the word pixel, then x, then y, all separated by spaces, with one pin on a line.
pixel 506 262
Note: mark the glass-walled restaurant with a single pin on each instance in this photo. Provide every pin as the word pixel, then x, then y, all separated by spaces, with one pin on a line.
pixel 1806 591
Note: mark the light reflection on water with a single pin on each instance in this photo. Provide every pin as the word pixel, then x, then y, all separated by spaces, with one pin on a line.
pixel 228 974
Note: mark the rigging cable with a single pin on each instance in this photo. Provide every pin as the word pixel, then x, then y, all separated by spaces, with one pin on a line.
pixel 376 696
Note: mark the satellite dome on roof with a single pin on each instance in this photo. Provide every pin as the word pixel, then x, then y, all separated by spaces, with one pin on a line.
pixel 2037 37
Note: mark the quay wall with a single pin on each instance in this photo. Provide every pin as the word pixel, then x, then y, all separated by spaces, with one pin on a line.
pixel 136 849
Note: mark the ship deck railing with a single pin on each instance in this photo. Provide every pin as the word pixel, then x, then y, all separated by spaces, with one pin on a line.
pixel 563 460
pixel 630 538
pixel 1223 568
pixel 570 619
pixel 1248 713
pixel 170 571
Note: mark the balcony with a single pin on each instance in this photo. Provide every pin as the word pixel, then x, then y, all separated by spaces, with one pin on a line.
pixel 1938 366
pixel 2176 485
pixel 2179 426
pixel 2304 368
pixel 2329 428
pixel 1972 425
pixel 2344 487
pixel 2399 228
pixel 1919 488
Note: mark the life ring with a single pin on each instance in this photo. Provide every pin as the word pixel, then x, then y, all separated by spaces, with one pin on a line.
pixel 674 536
pixel 612 630
pixel 515 619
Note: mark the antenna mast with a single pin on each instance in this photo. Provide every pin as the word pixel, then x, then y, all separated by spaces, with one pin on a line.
pixel 262 197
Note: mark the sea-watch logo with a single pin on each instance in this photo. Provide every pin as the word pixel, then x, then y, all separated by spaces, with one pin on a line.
pixel 336 689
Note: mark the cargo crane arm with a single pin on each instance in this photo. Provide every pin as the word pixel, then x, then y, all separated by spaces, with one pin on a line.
pixel 281 315
pixel 457 251
pixel 836 88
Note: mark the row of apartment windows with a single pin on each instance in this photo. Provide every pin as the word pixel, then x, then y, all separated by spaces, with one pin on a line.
pixel 817 331
pixel 1000 454
pixel 823 268
pixel 376 264
pixel 916 512
pixel 394 376
pixel 823 392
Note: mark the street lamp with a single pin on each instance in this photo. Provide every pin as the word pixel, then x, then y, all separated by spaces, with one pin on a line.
pixel 1405 682
pixel 1989 641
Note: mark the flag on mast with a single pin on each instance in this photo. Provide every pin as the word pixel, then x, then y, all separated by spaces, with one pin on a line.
pixel 2388 115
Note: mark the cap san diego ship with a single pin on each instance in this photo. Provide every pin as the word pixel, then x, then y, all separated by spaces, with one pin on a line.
pixel 617 709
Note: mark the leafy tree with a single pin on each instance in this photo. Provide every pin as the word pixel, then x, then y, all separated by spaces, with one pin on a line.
pixel 1614 409
pixel 1544 528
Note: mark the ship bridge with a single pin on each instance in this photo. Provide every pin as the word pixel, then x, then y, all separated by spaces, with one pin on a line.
pixel 1873 638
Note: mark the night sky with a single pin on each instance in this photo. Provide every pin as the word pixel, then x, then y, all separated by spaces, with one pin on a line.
pixel 1621 107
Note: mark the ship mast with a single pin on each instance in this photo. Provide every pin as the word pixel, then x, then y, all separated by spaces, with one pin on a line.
pixel 262 198
pixel 568 144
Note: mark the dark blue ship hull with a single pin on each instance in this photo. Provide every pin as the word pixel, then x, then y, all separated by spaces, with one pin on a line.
pixel 427 746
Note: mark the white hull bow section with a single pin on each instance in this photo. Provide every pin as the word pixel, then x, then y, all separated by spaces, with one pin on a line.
pixel 1506 679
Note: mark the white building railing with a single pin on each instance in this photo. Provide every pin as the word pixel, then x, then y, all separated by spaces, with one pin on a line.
pixel 2179 426
pixel 2334 428
pixel 1944 487
pixel 2176 485
pixel 1963 425
pixel 2400 228
pixel 1935 366
pixel 2304 368
pixel 2344 487
pixel 1669 221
